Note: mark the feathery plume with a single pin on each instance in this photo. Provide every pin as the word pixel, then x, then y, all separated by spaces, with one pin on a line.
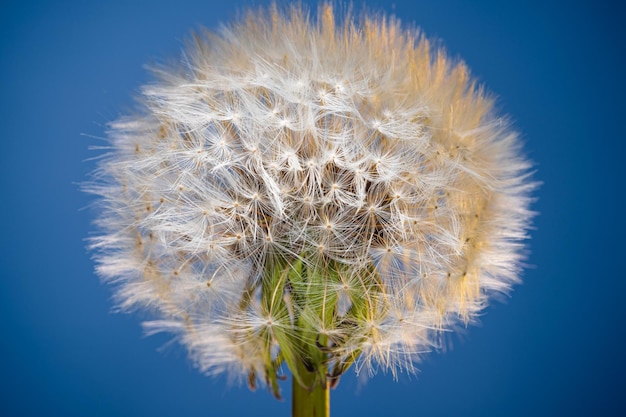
pixel 312 194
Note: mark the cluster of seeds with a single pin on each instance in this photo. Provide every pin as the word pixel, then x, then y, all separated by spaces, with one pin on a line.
pixel 311 194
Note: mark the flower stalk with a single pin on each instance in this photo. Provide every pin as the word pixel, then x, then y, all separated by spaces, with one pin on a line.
pixel 312 397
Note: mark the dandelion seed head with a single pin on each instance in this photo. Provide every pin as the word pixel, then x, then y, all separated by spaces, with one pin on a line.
pixel 299 182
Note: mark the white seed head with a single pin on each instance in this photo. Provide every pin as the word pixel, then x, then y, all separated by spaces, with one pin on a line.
pixel 301 186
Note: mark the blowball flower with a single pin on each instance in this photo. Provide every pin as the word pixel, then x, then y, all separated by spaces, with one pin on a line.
pixel 310 194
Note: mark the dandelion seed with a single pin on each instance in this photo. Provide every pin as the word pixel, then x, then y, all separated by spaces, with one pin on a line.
pixel 278 203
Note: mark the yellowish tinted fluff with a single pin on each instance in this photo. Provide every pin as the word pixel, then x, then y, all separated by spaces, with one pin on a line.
pixel 312 194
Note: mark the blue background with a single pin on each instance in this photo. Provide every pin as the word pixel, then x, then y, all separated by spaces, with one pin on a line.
pixel 555 347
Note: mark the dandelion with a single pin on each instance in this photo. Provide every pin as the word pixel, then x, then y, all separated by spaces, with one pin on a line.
pixel 306 194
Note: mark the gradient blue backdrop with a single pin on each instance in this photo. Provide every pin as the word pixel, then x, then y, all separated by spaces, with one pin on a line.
pixel 554 348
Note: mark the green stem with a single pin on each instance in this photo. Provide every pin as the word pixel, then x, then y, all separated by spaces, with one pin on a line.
pixel 313 401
